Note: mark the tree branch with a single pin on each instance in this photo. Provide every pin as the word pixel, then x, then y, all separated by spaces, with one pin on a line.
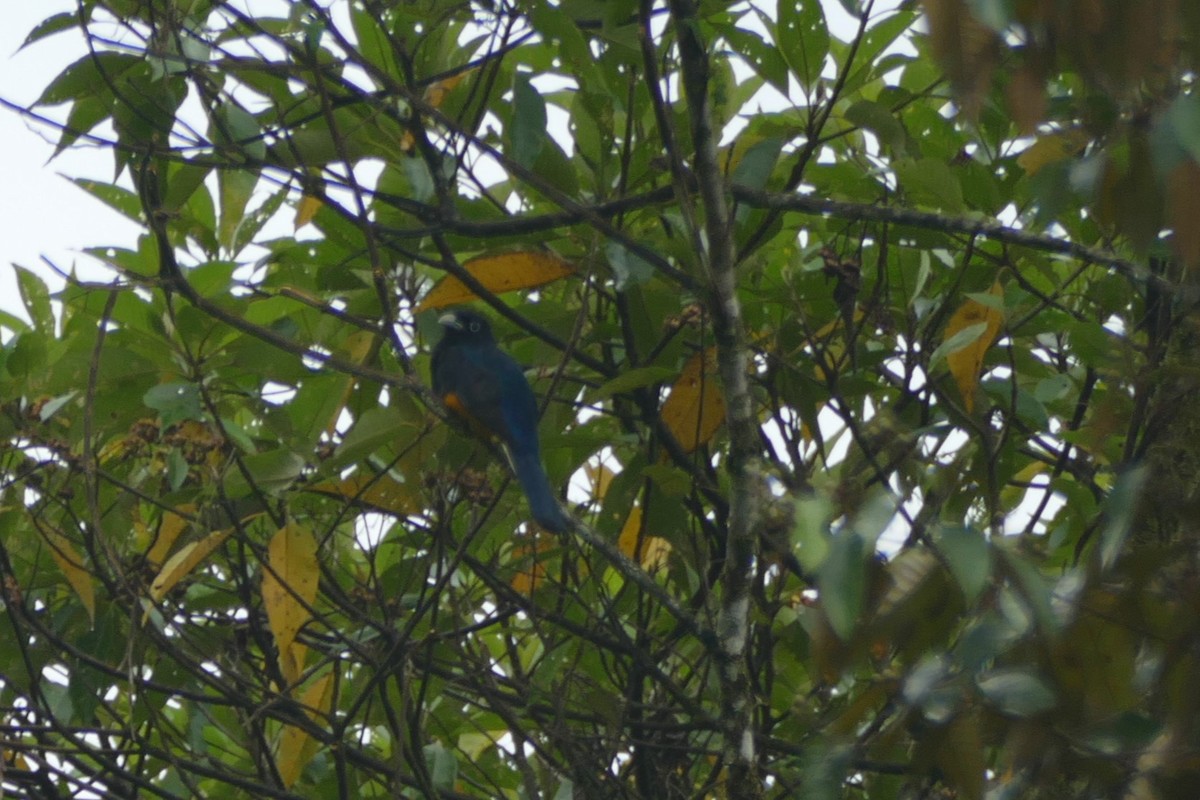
pixel 733 620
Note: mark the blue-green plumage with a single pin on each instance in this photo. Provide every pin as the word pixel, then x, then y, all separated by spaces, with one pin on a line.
pixel 484 385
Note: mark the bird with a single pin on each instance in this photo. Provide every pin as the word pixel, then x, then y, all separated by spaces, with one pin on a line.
pixel 484 386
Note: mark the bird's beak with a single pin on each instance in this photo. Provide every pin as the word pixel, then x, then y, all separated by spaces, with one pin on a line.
pixel 450 321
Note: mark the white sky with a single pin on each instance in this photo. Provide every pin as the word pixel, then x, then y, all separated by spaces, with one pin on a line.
pixel 41 212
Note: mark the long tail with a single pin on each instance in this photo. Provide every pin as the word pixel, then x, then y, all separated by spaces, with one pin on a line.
pixel 543 505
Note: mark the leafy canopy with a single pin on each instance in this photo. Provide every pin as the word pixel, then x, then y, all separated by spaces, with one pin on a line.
pixel 244 556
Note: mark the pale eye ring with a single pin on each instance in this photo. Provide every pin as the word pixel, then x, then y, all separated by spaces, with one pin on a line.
pixel 474 326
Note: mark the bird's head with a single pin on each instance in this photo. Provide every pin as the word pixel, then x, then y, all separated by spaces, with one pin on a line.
pixel 466 325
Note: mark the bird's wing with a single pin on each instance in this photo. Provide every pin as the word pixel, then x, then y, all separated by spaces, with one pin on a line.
pixel 476 380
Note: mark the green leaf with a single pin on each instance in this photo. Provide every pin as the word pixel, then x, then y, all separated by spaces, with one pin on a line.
pixel 234 187
pixel 1035 589
pixel 182 182
pixel 53 406
pixel 1128 733
pixel 373 42
pixel 91 74
pixel 629 268
pixel 1028 408
pixel 823 766
pixel 271 472
pixel 314 409
pixel 1090 342
pixel 28 355
pixel 756 165
pixel 996 14
pixel 377 427
pixel 563 33
pixel 1018 692
pixel 50 26
pixel 36 298
pixel 116 197
pixel 879 121
pixel 803 37
pixel 673 481
pixel 633 379
pixel 419 179
pixel 969 558
pixel 1053 388
pixel 930 687
pixel 930 182
pixel 527 130
pixel 764 59
pixel 842 581
pixel 241 130
pixel 958 341
pixel 1119 512
pixel 556 169
pixel 810 531
pixel 443 766
pixel 177 469
pixel 1183 116
pixel 986 639
pixel 12 322
pixel 249 227
pixel 148 112
pixel 86 113
pixel 175 402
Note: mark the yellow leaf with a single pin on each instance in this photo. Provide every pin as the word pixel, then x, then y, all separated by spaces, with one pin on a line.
pixel 116 448
pixel 1029 472
pixel 381 492
pixel 695 409
pixel 967 362
pixel 1018 484
pixel 289 589
pixel 168 532
pixel 72 568
pixel 473 744
pixel 308 208
pixel 649 551
pixel 182 563
pixel 1051 148
pixel 828 327
pixel 296 746
pixel 529 548
pixel 436 92
pixel 507 272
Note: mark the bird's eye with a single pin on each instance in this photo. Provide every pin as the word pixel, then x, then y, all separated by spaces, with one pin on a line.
pixel 474 326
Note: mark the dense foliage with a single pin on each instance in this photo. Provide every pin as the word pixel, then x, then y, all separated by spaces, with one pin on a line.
pixel 870 389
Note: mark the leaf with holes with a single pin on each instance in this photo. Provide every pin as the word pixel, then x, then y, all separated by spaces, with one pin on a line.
pixel 803 37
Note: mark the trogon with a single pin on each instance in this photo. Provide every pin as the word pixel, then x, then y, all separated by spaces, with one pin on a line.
pixel 487 388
